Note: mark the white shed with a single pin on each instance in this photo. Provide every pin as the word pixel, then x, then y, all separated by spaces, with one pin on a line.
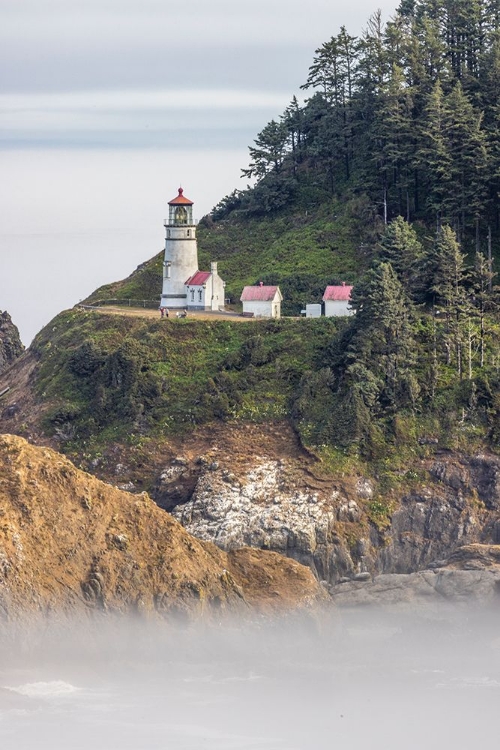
pixel 262 301
pixel 313 311
pixel 336 299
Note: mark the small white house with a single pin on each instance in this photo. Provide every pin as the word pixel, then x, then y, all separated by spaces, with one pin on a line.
pixel 205 290
pixel 262 301
pixel 336 299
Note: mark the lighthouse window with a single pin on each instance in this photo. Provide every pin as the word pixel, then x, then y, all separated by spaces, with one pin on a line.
pixel 180 216
pixel 187 233
pixel 168 232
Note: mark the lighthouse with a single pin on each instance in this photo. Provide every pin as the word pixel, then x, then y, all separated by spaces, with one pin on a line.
pixel 181 252
pixel 184 286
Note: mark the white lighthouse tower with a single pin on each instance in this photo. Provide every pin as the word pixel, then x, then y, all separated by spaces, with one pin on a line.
pixel 181 252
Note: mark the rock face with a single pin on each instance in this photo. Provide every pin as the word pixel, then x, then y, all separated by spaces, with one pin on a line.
pixel 273 504
pixel 10 343
pixel 471 574
pixel 460 505
pixel 71 543
pixel 268 507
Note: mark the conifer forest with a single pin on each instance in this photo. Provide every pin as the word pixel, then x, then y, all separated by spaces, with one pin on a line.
pixel 405 121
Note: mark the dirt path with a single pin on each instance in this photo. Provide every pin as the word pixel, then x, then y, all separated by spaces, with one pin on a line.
pixel 139 312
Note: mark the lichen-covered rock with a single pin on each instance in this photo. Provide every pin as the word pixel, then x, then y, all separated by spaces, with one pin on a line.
pixel 266 507
pixel 11 346
pixel 429 524
pixel 271 504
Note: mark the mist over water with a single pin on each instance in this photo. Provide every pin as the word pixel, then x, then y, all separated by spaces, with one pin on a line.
pixel 362 679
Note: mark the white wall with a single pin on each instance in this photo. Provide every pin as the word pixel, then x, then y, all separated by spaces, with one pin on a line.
pixel 337 307
pixel 262 309
pixel 218 292
pixel 193 296
pixel 313 311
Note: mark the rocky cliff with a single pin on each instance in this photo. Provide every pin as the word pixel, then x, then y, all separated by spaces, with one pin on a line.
pixel 71 543
pixel 342 527
pixel 11 346
pixel 253 483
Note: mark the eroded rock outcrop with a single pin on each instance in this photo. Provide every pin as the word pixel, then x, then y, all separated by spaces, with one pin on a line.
pixel 269 506
pixel 11 346
pixel 71 543
pixel 470 575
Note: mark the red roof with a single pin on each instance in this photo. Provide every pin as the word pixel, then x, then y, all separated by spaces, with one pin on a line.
pixel 179 200
pixel 259 293
pixel 198 278
pixel 337 293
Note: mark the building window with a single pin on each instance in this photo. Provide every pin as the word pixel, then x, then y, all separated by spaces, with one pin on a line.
pixel 192 295
pixel 187 233
pixel 199 294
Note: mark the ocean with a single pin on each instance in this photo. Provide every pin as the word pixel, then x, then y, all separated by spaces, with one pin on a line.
pixel 350 680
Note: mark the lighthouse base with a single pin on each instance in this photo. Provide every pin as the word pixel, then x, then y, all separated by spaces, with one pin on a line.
pixel 174 301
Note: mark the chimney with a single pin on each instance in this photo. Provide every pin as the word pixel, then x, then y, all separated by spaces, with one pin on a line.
pixel 213 267
pixel 343 283
pixel 261 283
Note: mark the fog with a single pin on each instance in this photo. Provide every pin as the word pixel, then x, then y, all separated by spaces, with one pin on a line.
pixel 350 680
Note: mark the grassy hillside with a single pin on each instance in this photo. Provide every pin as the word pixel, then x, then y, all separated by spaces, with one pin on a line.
pixel 110 378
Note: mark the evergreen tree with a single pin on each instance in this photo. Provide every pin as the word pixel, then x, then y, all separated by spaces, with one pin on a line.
pixel 482 278
pixel 381 354
pixel 393 144
pixel 269 151
pixel 400 247
pixel 466 148
pixel 433 156
pixel 448 275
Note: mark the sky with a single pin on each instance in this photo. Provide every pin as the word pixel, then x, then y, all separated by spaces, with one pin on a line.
pixel 106 107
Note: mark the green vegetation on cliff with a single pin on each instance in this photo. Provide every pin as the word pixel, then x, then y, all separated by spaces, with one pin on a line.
pixel 108 377
pixel 389 381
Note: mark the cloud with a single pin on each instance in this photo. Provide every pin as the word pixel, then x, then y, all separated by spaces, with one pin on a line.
pixel 133 99
pixel 135 117
pixel 56 45
pixel 103 72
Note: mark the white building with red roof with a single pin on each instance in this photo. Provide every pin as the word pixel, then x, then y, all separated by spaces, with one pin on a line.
pixel 336 299
pixel 262 301
pixel 205 290
pixel 184 285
